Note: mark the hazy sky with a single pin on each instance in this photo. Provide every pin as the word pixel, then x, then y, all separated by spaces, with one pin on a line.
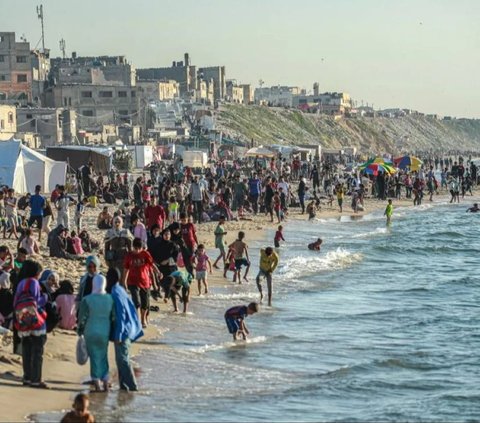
pixel 422 54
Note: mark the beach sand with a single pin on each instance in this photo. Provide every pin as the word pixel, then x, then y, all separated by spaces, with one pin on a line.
pixel 60 369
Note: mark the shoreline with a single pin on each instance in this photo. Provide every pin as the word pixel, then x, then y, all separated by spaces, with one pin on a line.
pixel 63 374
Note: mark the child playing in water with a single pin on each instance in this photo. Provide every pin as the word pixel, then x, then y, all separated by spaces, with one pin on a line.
pixel 389 212
pixel 315 246
pixel 235 319
pixel 202 260
pixel 240 251
pixel 79 413
pixel 278 237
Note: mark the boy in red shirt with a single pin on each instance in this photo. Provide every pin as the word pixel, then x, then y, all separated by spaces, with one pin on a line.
pixel 155 214
pixel 138 267
pixel 189 234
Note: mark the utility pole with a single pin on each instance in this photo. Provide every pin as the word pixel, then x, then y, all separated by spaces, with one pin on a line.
pixel 40 16
pixel 63 47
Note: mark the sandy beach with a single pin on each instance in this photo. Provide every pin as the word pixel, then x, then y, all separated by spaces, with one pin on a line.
pixel 60 369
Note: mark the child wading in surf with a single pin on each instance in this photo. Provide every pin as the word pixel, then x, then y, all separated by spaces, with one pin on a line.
pixel 235 319
pixel 389 212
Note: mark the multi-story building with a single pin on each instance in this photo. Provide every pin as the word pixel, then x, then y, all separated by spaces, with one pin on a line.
pixel 326 103
pixel 248 94
pixel 205 92
pixel 234 92
pixel 52 126
pixel 159 90
pixel 40 63
pixel 217 73
pixel 102 70
pixel 97 105
pixel 8 122
pixel 15 69
pixel 182 72
pixel 279 96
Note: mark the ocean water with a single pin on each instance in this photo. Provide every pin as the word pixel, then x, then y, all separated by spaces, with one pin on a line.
pixel 382 325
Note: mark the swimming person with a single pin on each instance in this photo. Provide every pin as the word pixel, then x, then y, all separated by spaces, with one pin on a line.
pixel 268 264
pixel 389 212
pixel 315 246
pixel 235 319
pixel 473 209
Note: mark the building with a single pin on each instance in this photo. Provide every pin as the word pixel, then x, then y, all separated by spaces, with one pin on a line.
pixel 15 70
pixel 8 122
pixel 205 92
pixel 159 90
pixel 234 92
pixel 248 94
pixel 97 105
pixel 217 74
pixel 51 126
pixel 182 72
pixel 102 70
pixel 326 103
pixel 40 63
pixel 278 96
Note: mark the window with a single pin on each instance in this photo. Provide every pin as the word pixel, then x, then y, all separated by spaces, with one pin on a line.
pixel 10 117
pixel 122 93
pixel 2 58
pixel 29 116
pixel 105 94
pixel 22 77
pixel 86 94
pixel 133 94
pixel 64 101
pixel 2 124
pixel 123 112
pixel 21 59
pixel 3 77
pixel 33 123
pixel 69 101
pixel 87 113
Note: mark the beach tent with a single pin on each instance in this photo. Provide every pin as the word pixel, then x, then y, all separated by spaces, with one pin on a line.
pixel 79 155
pixel 259 152
pixel 22 168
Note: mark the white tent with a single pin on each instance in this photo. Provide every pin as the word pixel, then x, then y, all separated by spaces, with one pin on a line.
pixel 260 152
pixel 22 168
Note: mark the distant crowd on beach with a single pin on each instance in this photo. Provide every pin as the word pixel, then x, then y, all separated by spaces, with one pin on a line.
pixel 150 249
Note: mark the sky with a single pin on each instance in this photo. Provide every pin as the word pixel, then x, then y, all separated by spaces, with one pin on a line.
pixel 419 54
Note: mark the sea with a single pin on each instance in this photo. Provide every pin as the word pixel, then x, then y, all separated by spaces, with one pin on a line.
pixel 382 324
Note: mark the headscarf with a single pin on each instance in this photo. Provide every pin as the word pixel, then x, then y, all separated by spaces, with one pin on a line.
pixel 119 232
pixel 99 283
pixel 90 260
pixel 47 274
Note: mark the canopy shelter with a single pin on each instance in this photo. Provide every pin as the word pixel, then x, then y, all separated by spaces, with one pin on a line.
pixel 22 168
pixel 260 152
pixel 79 155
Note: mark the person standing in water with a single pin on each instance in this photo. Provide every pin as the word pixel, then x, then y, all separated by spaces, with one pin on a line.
pixel 268 264
pixel 389 212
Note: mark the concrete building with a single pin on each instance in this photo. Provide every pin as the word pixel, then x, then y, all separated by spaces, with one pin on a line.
pixel 8 122
pixel 248 94
pixel 278 96
pixel 234 92
pixel 51 126
pixel 102 70
pixel 15 70
pixel 205 92
pixel 326 103
pixel 97 105
pixel 159 90
pixel 40 62
pixel 217 73
pixel 182 72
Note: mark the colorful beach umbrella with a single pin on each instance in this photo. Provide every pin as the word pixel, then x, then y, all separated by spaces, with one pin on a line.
pixel 376 168
pixel 412 162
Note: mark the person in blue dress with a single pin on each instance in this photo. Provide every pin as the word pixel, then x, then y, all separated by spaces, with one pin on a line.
pixel 126 329
pixel 95 320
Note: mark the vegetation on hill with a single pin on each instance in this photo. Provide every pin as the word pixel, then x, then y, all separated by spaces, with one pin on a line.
pixel 370 135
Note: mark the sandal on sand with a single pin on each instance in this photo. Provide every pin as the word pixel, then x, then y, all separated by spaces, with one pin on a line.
pixel 40 385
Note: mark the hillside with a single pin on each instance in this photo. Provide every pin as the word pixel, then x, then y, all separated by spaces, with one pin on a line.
pixel 413 133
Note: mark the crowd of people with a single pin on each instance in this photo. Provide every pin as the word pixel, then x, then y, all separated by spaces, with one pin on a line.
pixel 151 249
